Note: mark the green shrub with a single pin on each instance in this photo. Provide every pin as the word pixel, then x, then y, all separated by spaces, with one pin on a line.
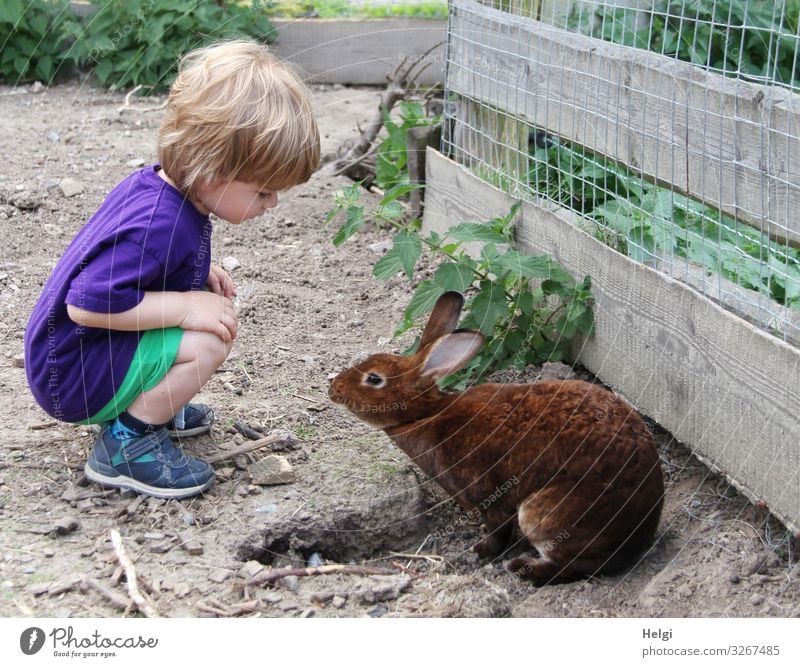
pixel 138 42
pixel 34 35
pixel 391 167
pixel 741 38
pixel 436 9
pixel 528 306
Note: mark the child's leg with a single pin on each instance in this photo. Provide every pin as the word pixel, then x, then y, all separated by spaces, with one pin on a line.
pixel 135 451
pixel 199 355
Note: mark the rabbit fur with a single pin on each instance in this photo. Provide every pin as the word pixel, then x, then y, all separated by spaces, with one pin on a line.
pixel 570 463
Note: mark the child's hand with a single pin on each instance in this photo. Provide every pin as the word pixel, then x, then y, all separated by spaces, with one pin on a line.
pixel 207 311
pixel 220 282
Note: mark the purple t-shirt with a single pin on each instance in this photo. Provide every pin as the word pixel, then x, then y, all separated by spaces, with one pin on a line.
pixel 145 237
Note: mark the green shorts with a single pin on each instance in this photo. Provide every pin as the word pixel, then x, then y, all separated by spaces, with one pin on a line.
pixel 151 361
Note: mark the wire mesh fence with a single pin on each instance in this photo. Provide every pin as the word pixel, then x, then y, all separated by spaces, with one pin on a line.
pixel 669 128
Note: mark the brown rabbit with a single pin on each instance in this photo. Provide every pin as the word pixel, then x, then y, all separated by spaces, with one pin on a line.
pixel 571 461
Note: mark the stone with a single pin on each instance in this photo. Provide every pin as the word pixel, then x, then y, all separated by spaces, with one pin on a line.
pixel 272 598
pixel 190 543
pixel 181 589
pixel 291 582
pixel 135 163
pixel 70 187
pixel 377 611
pixel 271 470
pixel 338 601
pixel 308 613
pixel 218 575
pixel 66 525
pixel 230 264
pixel 388 588
pixel 321 597
pixel 381 246
pixel 18 360
pixel 250 569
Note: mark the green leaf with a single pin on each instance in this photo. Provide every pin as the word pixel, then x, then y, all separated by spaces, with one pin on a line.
pixel 44 68
pixel 408 247
pixel 388 266
pixel 528 266
pixel 488 307
pixel 473 231
pixel 453 277
pixel 354 222
pixel 103 70
pixel 21 65
pixel 398 191
pixel 394 210
pixel 423 300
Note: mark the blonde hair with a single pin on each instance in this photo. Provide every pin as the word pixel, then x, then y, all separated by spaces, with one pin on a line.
pixel 235 112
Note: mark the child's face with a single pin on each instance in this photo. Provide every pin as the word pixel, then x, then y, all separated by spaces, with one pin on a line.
pixel 235 201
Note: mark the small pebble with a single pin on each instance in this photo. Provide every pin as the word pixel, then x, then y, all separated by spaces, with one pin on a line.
pixel 377 611
pixel 308 613
pixel 756 599
pixel 53 136
pixel 70 187
pixel 29 570
pixel 189 519
pixel 273 598
pixel 230 264
pixel 315 560
pixel 734 579
pixel 267 509
pixel 291 582
pixel 66 525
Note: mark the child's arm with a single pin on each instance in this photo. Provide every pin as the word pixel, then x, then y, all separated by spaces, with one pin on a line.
pixel 195 311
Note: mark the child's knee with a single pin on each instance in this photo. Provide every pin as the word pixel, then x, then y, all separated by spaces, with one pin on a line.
pixel 205 348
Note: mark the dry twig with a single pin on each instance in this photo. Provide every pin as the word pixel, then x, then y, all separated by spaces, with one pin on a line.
pixel 400 81
pixel 268 576
pixel 287 440
pixel 127 105
pixel 144 604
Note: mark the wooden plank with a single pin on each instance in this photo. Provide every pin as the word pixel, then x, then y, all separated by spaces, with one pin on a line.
pixel 732 144
pixel 360 51
pixel 720 385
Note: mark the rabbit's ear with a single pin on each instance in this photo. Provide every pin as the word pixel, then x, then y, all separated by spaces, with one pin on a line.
pixel 451 353
pixel 444 317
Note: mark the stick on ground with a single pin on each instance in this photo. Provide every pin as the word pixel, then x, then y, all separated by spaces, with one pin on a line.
pixel 142 602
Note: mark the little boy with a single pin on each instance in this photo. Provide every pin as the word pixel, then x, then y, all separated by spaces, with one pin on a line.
pixel 134 318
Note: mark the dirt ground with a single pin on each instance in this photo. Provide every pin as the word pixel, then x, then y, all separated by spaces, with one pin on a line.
pixel 307 309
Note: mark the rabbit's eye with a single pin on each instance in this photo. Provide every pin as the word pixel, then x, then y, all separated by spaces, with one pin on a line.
pixel 374 380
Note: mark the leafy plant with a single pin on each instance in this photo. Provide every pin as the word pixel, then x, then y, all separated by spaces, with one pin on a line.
pixel 343 8
pixel 138 42
pixel 527 306
pixel 34 35
pixel 645 221
pixel 391 165
pixel 741 38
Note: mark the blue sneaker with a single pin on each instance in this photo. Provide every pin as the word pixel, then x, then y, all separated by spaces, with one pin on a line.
pixel 192 419
pixel 150 464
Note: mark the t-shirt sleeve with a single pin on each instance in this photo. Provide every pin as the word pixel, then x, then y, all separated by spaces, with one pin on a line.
pixel 115 279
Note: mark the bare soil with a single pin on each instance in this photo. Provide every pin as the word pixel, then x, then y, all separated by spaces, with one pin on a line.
pixel 307 309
